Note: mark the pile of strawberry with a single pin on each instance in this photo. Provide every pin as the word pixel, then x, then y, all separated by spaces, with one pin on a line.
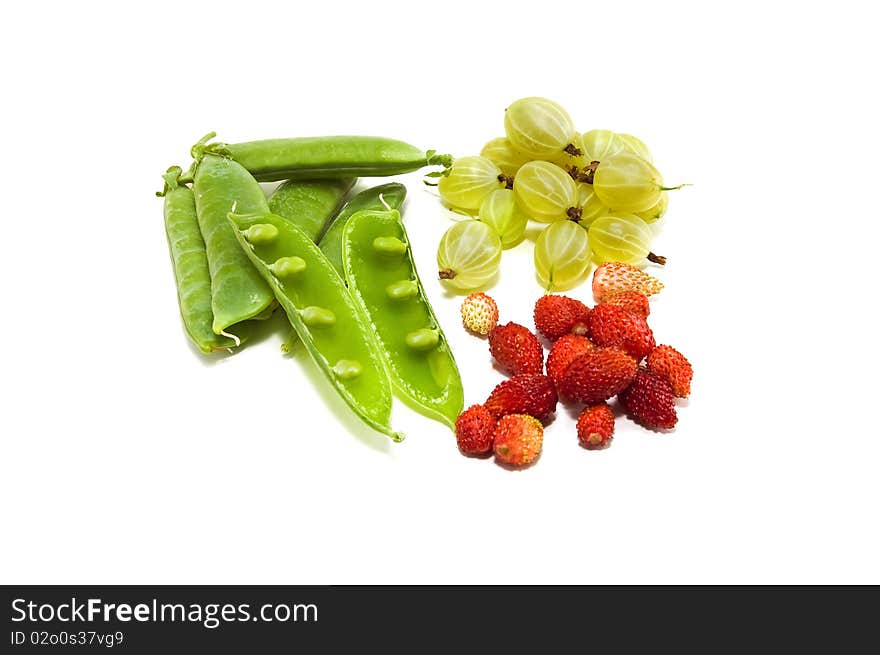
pixel 595 355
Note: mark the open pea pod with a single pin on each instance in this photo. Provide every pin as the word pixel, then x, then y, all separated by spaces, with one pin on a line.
pixel 378 197
pixel 382 276
pixel 329 322
pixel 310 205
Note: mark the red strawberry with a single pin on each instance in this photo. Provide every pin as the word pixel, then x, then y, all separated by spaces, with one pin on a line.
pixel 474 429
pixel 564 352
pixel 631 301
pixel 479 313
pixel 559 315
pixel 668 363
pixel 615 327
pixel 650 401
pixel 595 426
pixel 518 439
pixel 614 277
pixel 516 349
pixel 597 375
pixel 528 393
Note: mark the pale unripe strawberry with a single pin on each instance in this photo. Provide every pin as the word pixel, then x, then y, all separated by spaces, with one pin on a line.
pixel 615 277
pixel 479 313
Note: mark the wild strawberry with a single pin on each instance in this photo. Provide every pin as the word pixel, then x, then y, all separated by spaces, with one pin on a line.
pixel 564 352
pixel 479 313
pixel 615 327
pixel 650 401
pixel 614 277
pixel 518 439
pixel 474 429
pixel 597 375
pixel 559 315
pixel 523 394
pixel 595 426
pixel 516 349
pixel 631 301
pixel 667 362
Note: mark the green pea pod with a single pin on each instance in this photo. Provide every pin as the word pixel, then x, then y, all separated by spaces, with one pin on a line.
pixel 324 157
pixel 238 293
pixel 379 197
pixel 190 263
pixel 382 276
pixel 310 204
pixel 329 322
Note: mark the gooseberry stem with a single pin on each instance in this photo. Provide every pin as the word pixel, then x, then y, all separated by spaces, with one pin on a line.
pixel 584 174
pixel 506 180
pixel 674 188
pixel 446 274
pixel 657 259
pixel 573 150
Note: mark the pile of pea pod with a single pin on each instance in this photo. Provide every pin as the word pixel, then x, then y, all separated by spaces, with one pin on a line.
pixel 342 271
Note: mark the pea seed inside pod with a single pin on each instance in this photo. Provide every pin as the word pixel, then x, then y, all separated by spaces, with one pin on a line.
pixel 261 233
pixel 422 339
pixel 287 266
pixel 317 317
pixel 347 369
pixel 389 245
pixel 402 289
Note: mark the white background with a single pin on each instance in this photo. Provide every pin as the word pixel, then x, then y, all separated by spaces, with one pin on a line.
pixel 129 458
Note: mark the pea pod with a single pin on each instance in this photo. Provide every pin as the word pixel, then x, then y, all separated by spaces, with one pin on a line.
pixel 238 293
pixel 323 157
pixel 310 204
pixel 330 323
pixel 382 276
pixel 190 263
pixel 379 197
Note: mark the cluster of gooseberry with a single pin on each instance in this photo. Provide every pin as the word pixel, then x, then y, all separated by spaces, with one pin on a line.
pixel 598 194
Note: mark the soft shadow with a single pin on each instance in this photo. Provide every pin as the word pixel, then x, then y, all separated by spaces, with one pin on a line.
pixel 573 409
pixel 260 331
pixel 207 359
pixel 337 406
pixel 511 467
pixel 533 230
pixel 250 332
